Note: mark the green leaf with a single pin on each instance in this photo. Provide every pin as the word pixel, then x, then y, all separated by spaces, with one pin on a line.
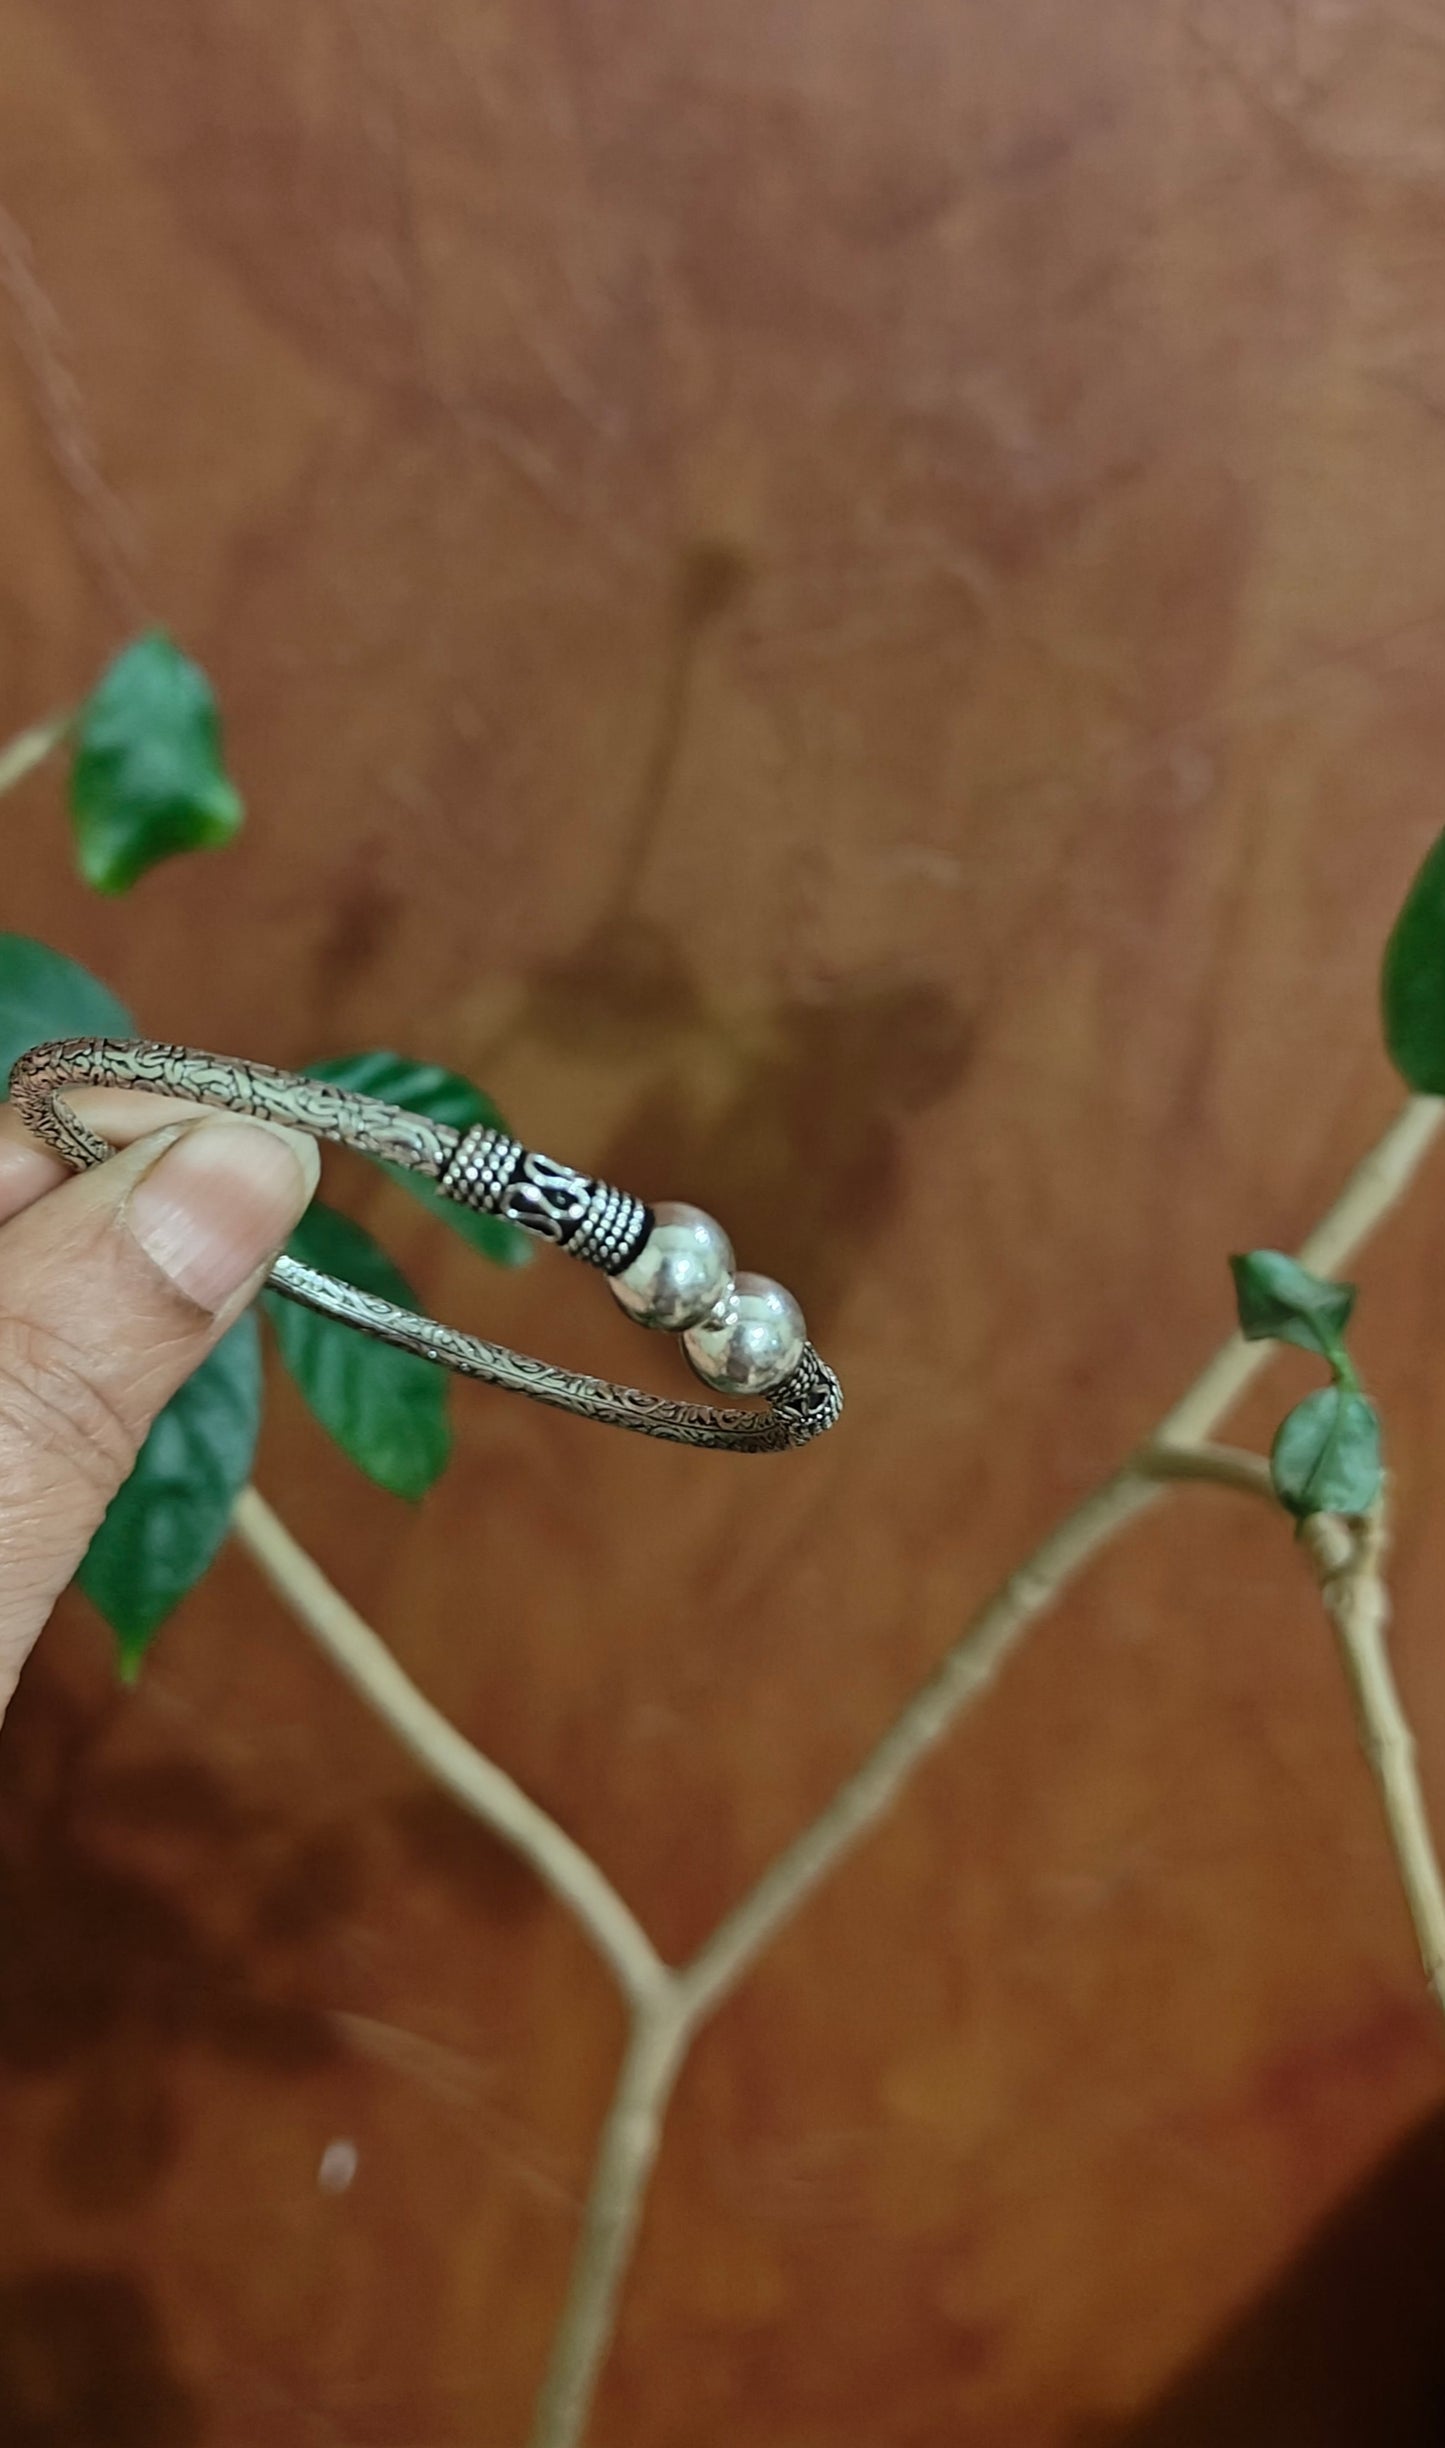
pixel 443 1096
pixel 1412 980
pixel 1326 1456
pixel 386 1408
pixel 162 1531
pixel 148 778
pixel 44 995
pixel 1280 1300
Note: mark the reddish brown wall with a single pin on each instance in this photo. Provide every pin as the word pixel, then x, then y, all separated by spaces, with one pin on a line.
pixel 845 604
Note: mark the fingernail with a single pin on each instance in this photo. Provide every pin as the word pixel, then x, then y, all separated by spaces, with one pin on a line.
pixel 218 1203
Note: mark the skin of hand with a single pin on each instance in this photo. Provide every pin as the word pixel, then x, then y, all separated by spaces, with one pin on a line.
pixel 114 1285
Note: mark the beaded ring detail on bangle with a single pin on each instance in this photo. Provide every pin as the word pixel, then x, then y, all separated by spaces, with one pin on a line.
pixel 670 1267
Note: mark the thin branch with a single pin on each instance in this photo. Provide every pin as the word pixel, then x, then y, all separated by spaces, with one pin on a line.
pixel 626 2152
pixel 1226 1466
pixel 28 749
pixel 1350 1567
pixel 662 2035
pixel 1379 1180
pixel 473 1780
pixel 668 2007
pixel 1175 1451
pixel 966 1671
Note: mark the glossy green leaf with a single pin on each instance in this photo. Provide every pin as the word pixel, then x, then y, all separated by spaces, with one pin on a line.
pixel 386 1408
pixel 44 995
pixel 1280 1300
pixel 163 1529
pixel 148 778
pixel 1326 1456
pixel 443 1096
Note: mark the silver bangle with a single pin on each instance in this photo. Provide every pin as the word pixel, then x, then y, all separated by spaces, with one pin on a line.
pixel 670 1267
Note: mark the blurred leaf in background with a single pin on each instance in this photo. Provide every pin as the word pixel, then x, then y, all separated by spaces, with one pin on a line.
pixel 386 1408
pixel 44 995
pixel 148 779
pixel 443 1096
pixel 162 1531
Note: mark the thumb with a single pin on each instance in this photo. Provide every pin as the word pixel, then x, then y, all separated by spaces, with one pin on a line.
pixel 113 1288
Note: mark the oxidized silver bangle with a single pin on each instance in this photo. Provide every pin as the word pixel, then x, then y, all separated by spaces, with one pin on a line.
pixel 669 1266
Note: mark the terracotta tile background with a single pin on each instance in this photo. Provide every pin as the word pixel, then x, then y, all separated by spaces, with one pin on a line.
pixel 847 605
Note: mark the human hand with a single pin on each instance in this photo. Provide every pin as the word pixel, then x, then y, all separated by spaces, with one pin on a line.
pixel 114 1285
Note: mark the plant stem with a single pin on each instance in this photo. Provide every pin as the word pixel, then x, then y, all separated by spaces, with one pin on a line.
pixel 1226 1466
pixel 468 1775
pixel 966 1671
pixel 668 2006
pixel 1379 1180
pixel 1350 1568
pixel 28 749
pixel 626 2152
